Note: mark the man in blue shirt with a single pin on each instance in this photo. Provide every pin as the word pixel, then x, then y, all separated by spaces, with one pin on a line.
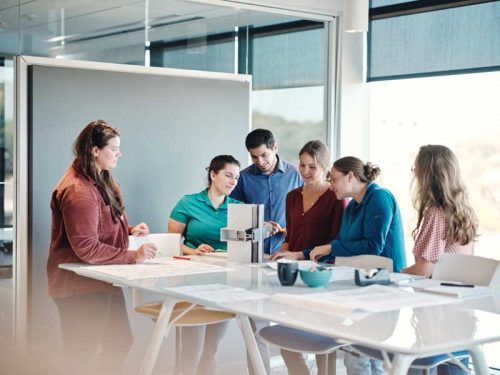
pixel 267 181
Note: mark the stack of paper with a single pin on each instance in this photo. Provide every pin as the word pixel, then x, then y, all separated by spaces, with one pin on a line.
pixel 373 298
pixel 167 268
pixel 457 290
pixel 217 293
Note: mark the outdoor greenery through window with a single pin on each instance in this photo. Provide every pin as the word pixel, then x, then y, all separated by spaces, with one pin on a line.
pixel 458 111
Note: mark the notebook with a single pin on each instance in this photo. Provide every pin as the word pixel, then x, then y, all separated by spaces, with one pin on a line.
pixel 434 286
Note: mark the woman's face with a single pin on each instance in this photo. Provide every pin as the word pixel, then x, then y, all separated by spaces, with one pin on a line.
pixel 340 183
pixel 107 157
pixel 225 180
pixel 309 170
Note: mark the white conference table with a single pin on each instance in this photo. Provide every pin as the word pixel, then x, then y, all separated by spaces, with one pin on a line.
pixel 409 333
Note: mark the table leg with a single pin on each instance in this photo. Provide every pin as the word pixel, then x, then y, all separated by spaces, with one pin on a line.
pixel 161 329
pixel 479 360
pixel 251 344
pixel 400 364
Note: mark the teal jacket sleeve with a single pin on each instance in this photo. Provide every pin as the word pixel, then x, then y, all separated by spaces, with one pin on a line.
pixel 378 216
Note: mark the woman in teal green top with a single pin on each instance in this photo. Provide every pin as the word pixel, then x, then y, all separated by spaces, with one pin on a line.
pixel 200 217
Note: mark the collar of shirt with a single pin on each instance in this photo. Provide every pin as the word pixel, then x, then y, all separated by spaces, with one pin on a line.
pixel 203 197
pixel 280 166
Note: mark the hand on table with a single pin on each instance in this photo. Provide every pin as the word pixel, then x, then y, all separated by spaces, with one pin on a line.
pixel 146 251
pixel 320 251
pixel 204 248
pixel 296 255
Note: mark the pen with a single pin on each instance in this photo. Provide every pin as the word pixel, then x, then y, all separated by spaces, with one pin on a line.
pixel 180 257
pixel 458 284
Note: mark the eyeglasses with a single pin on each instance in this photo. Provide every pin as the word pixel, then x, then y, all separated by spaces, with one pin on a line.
pixel 328 176
pixel 413 169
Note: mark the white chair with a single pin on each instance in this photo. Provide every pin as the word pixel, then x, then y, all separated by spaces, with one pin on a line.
pixel 468 269
pixel 298 341
pixel 465 268
pixel 184 314
pixel 365 261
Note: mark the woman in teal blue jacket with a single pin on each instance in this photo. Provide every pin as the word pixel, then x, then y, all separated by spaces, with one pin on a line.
pixel 371 223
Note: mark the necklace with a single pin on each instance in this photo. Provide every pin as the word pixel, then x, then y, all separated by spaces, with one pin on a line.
pixel 311 195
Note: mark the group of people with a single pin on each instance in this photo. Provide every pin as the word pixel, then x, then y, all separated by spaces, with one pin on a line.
pixel 314 211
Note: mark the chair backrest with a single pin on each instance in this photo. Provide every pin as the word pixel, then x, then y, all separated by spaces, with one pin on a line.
pixel 365 261
pixel 168 244
pixel 469 269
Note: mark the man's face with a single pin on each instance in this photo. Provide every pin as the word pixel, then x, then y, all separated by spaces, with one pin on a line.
pixel 264 158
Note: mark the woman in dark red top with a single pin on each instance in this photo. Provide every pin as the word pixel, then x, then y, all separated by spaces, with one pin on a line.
pixel 313 212
pixel 313 216
pixel 89 225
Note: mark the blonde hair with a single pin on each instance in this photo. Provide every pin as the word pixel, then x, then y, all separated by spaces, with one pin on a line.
pixel 319 152
pixel 439 184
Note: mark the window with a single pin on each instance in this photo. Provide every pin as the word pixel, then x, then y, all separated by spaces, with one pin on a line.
pixel 287 62
pixel 288 69
pixel 458 111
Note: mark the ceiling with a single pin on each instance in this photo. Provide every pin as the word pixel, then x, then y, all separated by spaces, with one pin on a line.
pixel 65 27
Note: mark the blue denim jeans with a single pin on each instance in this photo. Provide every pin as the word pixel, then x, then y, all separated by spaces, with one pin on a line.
pixel 362 365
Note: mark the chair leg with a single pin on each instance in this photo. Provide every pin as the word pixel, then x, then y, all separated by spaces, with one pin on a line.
pixel 327 363
pixel 332 363
pixel 322 364
pixel 178 349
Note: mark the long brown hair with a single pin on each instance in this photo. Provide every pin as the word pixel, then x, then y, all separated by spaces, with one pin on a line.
pixel 97 134
pixel 439 183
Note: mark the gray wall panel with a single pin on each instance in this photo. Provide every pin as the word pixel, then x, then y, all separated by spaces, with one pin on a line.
pixel 170 128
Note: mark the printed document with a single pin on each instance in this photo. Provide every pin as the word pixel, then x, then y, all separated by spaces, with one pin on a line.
pixel 173 267
pixel 372 299
pixel 217 293
pixel 453 290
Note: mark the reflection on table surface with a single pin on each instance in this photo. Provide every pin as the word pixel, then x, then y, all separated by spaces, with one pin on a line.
pixel 420 330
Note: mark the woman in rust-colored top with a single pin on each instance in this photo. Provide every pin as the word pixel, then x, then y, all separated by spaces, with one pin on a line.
pixel 89 225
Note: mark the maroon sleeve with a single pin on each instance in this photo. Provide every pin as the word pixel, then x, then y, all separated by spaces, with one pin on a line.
pixel 337 214
pixel 82 216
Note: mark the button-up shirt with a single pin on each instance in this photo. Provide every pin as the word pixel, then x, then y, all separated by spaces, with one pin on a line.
pixel 270 190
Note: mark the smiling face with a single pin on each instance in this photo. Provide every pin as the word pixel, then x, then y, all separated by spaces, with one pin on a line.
pixel 340 183
pixel 264 158
pixel 106 158
pixel 225 180
pixel 309 169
